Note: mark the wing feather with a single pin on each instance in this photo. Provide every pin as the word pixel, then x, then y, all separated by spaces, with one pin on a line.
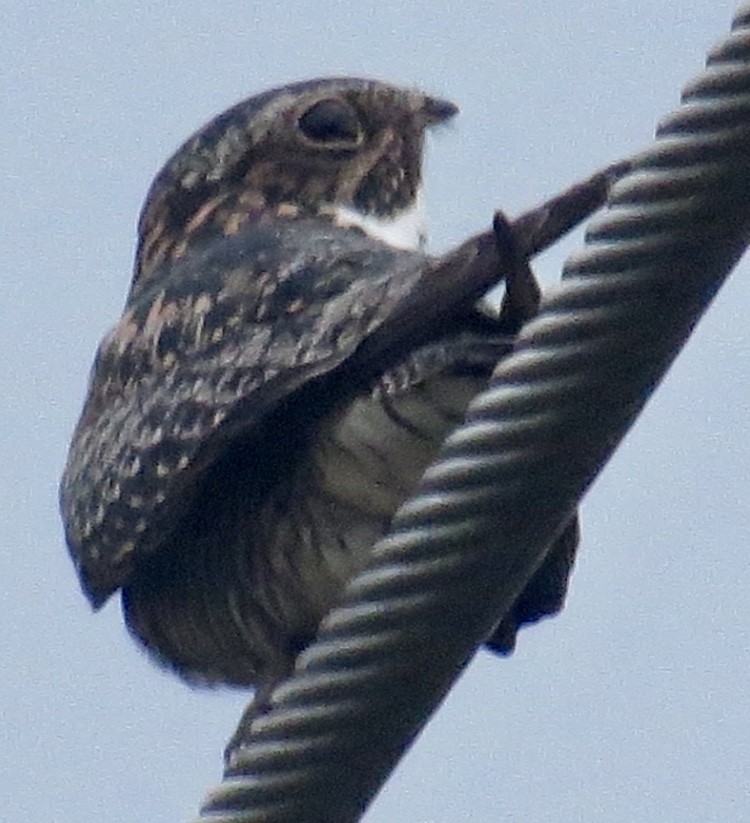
pixel 202 353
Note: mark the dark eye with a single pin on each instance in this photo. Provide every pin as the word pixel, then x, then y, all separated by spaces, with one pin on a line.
pixel 331 121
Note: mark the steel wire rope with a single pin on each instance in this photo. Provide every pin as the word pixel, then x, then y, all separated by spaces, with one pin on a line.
pixel 462 549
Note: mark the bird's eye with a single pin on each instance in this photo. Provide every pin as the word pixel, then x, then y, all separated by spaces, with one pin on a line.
pixel 331 121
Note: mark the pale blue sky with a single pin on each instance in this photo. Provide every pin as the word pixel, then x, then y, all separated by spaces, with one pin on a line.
pixel 631 707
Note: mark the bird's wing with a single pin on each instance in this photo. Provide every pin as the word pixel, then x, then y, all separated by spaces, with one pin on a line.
pixel 544 594
pixel 207 350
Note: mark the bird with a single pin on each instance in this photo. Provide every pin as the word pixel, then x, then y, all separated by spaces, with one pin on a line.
pixel 273 392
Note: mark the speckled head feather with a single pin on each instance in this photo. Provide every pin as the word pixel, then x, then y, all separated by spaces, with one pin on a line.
pixel 299 150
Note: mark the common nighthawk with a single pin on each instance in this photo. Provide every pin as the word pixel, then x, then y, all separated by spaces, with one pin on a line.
pixel 275 388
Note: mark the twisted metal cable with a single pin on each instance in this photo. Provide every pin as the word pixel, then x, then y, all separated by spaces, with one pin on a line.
pixel 462 549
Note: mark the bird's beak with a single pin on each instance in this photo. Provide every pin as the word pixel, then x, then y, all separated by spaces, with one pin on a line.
pixel 436 111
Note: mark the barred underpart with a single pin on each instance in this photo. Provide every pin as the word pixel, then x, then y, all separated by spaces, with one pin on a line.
pixel 245 581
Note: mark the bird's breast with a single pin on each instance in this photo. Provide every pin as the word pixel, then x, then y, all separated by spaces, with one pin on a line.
pixel 371 455
pixel 363 462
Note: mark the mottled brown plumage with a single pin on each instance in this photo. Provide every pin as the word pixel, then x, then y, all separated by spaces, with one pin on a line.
pixel 275 386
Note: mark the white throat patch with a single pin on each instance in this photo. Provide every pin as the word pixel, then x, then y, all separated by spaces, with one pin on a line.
pixel 406 230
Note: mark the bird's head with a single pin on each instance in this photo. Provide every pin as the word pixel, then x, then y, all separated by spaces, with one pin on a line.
pixel 344 148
